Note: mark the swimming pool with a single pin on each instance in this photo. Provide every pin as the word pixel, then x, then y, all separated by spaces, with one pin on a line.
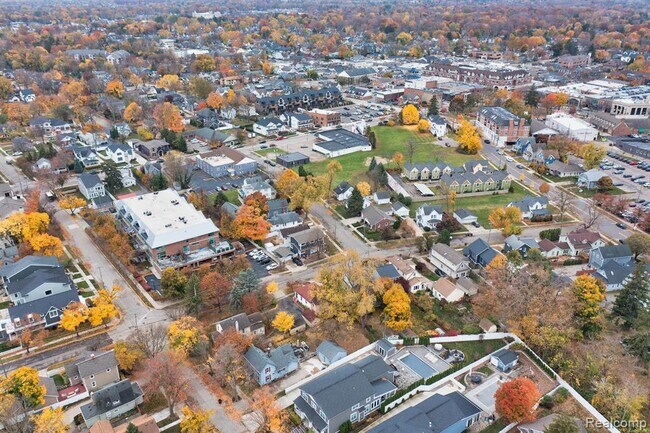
pixel 418 366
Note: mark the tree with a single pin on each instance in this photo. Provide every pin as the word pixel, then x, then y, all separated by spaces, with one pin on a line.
pixel 104 309
pixel 172 283
pixel 176 167
pixel 267 413
pixel 564 200
pixel 410 115
pixel 639 243
pixel 287 182
pixel 424 125
pixel 631 299
pixel 204 63
pixel 185 335
pixel 115 88
pixel 333 167
pixel 150 340
pixel 605 184
pixel 592 155
pixel 168 116
pixel 131 428
pixel 468 139
pixel 196 421
pixel 46 245
pixel 245 282
pixel 506 219
pixel 283 321
pixel 72 203
pixel 166 376
pixel 113 177
pixel 30 337
pixel 50 421
pixel 6 88
pixel 398 159
pixel 544 188
pixel 133 113
pixel 397 310
pixel 589 293
pixel 127 355
pixel 515 400
pixel 562 424
pixel 355 202
pixel 200 87
pixel 250 222
pixel 364 188
pixel 434 110
pixel 144 134
pixel 23 383
pixel 215 287
pixel 215 100
pixel 73 316
pixel 169 82
pixel 271 288
pixel 532 97
pixel 310 190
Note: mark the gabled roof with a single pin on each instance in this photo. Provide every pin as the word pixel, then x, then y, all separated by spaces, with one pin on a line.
pixel 342 187
pixel 445 287
pixel 96 363
pixel 373 215
pixel 330 349
pixel 111 397
pixel 388 271
pixel 23 266
pixel 613 272
pixel 463 213
pixel 506 356
pixel 280 357
pixel 428 209
pixel 444 250
pixel 36 279
pixel 89 180
pixel 41 306
pixel 614 251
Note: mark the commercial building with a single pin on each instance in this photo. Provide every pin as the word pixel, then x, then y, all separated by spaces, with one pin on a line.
pixel 339 142
pixel 306 99
pixel 324 118
pixel 485 74
pixel 225 162
pixel 170 230
pixel 635 146
pixel 630 108
pixel 501 126
pixel 572 127
pixel 292 159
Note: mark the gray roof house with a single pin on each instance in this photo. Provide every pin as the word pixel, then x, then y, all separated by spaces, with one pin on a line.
pixel 95 371
pixel 598 257
pixel 247 324
pixel 274 365
pixel 480 252
pixel 388 270
pixel 451 413
pixel 376 218
pixel 26 266
pixel 449 261
pixel 343 191
pixel 44 312
pixel 91 186
pixel 464 216
pixel 112 402
pixel 329 352
pixel 531 206
pixel 428 216
pixel 523 245
pixel 589 179
pixel 347 393
pixel 504 359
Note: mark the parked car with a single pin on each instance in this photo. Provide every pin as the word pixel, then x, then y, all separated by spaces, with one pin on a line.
pixel 272 266
pixel 476 224
pixel 627 176
pixel 297 260
pixel 521 167
pixel 510 159
pixel 621 226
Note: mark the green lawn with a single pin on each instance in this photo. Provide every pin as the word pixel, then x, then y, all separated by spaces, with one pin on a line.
pixel 270 151
pixel 475 350
pixel 391 140
pixel 231 194
pixel 481 206
pixel 495 427
pixel 588 193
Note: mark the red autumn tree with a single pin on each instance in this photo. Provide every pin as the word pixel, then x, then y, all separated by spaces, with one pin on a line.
pixel 515 400
pixel 251 223
pixel 215 287
pixel 168 116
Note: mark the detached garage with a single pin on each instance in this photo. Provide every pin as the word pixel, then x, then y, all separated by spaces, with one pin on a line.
pixel 292 159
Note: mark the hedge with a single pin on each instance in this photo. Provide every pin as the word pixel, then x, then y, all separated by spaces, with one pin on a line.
pixel 575 261
pixel 541 218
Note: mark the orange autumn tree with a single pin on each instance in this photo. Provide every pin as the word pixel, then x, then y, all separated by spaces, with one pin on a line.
pixel 251 223
pixel 168 116
pixel 516 399
pixel 115 88
pixel 133 113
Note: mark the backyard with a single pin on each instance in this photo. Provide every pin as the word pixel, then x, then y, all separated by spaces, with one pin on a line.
pixel 481 206
pixel 391 140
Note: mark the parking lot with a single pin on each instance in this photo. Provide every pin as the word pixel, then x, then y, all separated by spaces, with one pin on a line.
pixel 201 181
pixel 631 178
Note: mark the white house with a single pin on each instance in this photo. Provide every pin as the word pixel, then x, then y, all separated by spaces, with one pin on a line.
pixel 398 209
pixel 119 153
pixel 268 126
pixel 438 126
pixel 531 206
pixel 428 216
pixel 464 216
pixel 381 197
pixel 343 191
pixel 42 164
pixel 300 121
pixel 449 261
pixel 128 179
pixel 589 179
pixel 91 186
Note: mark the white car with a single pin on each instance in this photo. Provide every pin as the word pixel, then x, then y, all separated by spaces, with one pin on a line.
pixel 510 159
pixel 272 266
pixel 254 253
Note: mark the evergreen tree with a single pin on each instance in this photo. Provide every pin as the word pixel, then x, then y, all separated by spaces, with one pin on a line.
pixel 158 182
pixel 113 177
pixel 532 97
pixel 444 237
pixel 434 110
pixel 131 428
pixel 114 134
pixel 372 137
pixel 193 298
pixel 220 199
pixel 373 164
pixel 78 167
pixel 246 282
pixel 563 424
pixel 630 301
pixel 180 143
pixel 355 202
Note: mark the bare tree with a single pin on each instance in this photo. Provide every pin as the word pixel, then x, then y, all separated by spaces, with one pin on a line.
pixel 151 340
pixel 564 200
pixel 177 169
pixel 593 214
pixel 410 150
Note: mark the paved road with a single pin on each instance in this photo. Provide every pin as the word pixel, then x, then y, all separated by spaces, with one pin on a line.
pixel 42 360
pixel 339 231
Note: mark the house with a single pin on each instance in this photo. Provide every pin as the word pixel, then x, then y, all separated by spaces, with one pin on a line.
pixel 389 271
pixel 449 261
pixel 277 206
pixel 550 249
pixel 128 179
pixel 283 221
pixel 521 245
pixel 308 244
pixel 541 425
pixel 355 75
pixel 37 279
pixel 225 161
pixel 247 324
pixel 504 359
pixel 211 137
pixel 450 413
pixel 87 156
pixel 404 268
pixel 589 179
pixel 112 402
pixel 272 365
pixel 268 126
pixel 621 254
pixel 292 159
pixel 385 348
pixel 42 164
pixel 338 142
pixel 256 184
pixel 300 121
pixel 531 206
pixel 118 57
pixel 468 182
pixel 467 285
pixel 51 395
pixel 25 267
pixel 49 127
pixel 501 126
pixel 27 95
pixel 427 170
pixel 329 352
pixel 91 186
pixel 524 146
pixel 446 289
pixel 428 216
pixel 582 241
pixel 480 253
pixel 349 392
pixel 464 216
pixel 375 218
pixel 305 99
pixel 302 295
pixel 119 153
pixel 487 326
pixel 560 169
pixel 44 312
pixel 381 197
pixel 152 149
pixel 438 126
pixel 399 209
pixel 95 371
pixel 343 191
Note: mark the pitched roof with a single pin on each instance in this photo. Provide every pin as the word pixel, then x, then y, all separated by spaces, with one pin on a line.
pixel 506 356
pixel 89 180
pixel 342 187
pixel 304 290
pixel 388 271
pixel 26 263
pixel 448 253
pixel 280 357
pixel 445 287
pixel 463 213
pixel 330 349
pixel 97 363
pixel 41 306
pixel 373 215
pixel 614 251
pixel 310 235
pixel 111 397
pixel 36 279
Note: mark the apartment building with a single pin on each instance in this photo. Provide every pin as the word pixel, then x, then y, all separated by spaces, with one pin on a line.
pixel 501 126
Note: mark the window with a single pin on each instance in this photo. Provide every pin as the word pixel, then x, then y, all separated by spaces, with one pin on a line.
pixel 54 313
pixel 354 417
pixel 108 370
pixel 48 292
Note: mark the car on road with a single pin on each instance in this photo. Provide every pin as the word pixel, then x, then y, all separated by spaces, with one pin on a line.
pixel 224 187
pixel 297 261
pixel 510 159
pixel 272 266
pixel 618 184
pixel 621 226
pixel 264 146
pixel 521 167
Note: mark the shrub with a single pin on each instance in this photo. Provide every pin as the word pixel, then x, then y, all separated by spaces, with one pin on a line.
pixel 561 395
pixel 551 234
pixel 345 427
pixel 547 402
pixel 542 218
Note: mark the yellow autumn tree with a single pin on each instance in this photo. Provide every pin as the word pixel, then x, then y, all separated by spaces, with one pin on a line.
pixel 24 226
pixel 185 335
pixel 589 293
pixel 169 82
pixel 506 219
pixel 272 287
pixel 410 115
pixel 50 421
pixel 47 245
pixel 24 384
pixel 104 309
pixel 196 421
pixel 127 355
pixel 424 125
pixel 397 310
pixel 398 159
pixel 214 100
pixel 283 321
pixel 144 134
pixel 287 182
pixel 74 316
pixel 267 67
pixel 468 139
pixel 133 113
pixel 115 88
pixel 168 116
pixel 364 188
pixel 72 203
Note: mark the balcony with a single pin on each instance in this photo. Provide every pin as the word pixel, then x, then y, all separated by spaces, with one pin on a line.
pixel 197 256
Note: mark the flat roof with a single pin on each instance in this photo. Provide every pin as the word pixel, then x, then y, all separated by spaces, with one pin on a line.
pixel 292 157
pixel 165 218
pixel 216 160
pixel 423 189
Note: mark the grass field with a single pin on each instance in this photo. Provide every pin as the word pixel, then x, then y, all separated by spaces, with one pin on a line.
pixel 588 193
pixel 481 206
pixel 391 140
pixel 270 151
